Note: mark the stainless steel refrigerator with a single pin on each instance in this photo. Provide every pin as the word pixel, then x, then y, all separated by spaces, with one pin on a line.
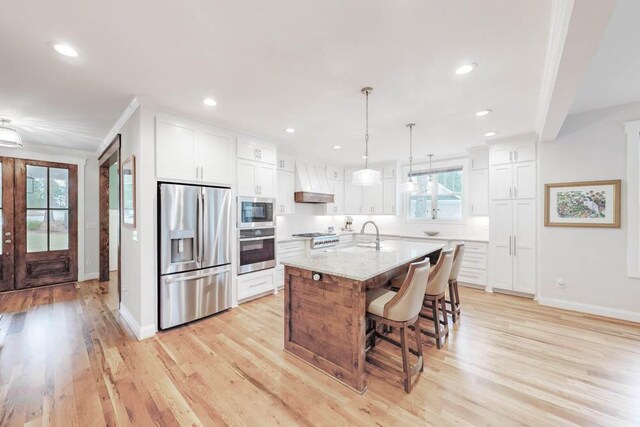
pixel 195 252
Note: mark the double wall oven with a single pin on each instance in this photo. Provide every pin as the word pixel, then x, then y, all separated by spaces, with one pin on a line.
pixel 256 234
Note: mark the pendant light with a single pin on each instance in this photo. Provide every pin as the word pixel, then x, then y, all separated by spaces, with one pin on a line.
pixel 9 137
pixel 366 176
pixel 410 186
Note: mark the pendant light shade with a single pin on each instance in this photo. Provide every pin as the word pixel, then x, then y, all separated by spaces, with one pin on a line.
pixel 410 186
pixel 366 176
pixel 9 137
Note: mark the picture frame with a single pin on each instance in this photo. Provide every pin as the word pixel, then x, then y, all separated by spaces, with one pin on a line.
pixel 128 192
pixel 583 204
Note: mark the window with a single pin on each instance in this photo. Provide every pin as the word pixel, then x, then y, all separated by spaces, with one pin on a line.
pixel 439 195
pixel 47 209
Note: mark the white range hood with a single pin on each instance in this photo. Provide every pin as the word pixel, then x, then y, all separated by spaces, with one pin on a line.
pixel 311 184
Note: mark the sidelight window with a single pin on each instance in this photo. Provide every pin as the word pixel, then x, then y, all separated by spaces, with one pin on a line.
pixel 47 208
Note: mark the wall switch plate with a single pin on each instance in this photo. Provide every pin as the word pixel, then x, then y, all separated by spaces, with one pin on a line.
pixel 134 235
pixel 560 283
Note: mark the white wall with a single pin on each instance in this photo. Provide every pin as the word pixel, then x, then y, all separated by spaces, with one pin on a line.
pixel 591 146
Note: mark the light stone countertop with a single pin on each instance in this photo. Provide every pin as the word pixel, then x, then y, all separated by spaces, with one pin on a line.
pixel 383 235
pixel 362 262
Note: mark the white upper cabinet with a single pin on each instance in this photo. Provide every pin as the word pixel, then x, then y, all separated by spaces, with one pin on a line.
pixel 479 192
pixel 337 189
pixel 389 171
pixel 501 182
pixel 479 158
pixel 286 162
pixel 335 173
pixel 372 199
pixel 285 204
pixel 352 195
pixel 191 151
pixel 256 179
pixel 389 196
pixel 501 154
pixel 524 177
pixel 253 149
pixel 512 152
pixel 524 151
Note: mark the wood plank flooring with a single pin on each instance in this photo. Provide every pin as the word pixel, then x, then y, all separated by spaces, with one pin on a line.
pixel 67 359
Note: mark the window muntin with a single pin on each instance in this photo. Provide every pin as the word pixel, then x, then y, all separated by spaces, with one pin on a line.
pixel 440 195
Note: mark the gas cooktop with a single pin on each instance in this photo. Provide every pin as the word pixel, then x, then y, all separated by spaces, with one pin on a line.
pixel 313 234
pixel 320 240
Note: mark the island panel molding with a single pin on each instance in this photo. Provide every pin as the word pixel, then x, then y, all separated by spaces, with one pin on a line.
pixel 583 204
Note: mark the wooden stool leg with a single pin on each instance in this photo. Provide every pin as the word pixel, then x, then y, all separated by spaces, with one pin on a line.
pixel 419 343
pixel 452 299
pixel 455 290
pixel 445 316
pixel 436 322
pixel 406 368
pixel 375 333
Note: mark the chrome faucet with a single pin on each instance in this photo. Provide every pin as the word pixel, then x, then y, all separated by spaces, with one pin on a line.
pixel 377 233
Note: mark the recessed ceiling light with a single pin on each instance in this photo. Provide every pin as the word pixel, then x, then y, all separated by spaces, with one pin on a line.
pixel 210 102
pixel 483 113
pixel 290 130
pixel 336 147
pixel 66 50
pixel 490 134
pixel 466 69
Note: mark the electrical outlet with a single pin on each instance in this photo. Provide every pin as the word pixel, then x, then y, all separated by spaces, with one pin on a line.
pixel 559 283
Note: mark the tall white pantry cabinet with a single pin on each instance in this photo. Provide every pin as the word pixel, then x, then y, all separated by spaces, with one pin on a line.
pixel 512 216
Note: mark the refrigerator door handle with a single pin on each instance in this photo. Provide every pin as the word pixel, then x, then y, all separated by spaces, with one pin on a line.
pixel 200 228
pixel 197 276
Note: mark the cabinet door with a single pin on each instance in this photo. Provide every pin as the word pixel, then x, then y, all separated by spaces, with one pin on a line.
pixel 265 179
pixel 267 154
pixel 524 225
pixel 389 196
pixel 285 162
pixel 175 151
pixel 372 200
pixel 352 197
pixel 500 245
pixel 285 204
pixel 335 173
pixel 246 149
pixel 246 178
pixel 214 154
pixel 479 158
pixel 524 180
pixel 337 189
pixel 501 154
pixel 501 182
pixel 323 183
pixel 479 192
pixel 524 152
pixel 389 171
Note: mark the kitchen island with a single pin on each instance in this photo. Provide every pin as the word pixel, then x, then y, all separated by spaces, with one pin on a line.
pixel 325 302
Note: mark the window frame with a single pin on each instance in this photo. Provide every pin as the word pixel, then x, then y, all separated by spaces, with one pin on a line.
pixel 442 166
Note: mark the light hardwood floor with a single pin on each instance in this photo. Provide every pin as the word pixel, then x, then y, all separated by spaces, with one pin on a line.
pixel 67 359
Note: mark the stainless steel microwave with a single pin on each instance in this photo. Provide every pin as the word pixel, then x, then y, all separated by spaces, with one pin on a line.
pixel 256 212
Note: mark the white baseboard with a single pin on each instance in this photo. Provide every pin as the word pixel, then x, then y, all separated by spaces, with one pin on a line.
pixel 141 332
pixel 598 310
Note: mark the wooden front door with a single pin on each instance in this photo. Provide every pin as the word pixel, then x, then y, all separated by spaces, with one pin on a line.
pixel 46 223
pixel 7 254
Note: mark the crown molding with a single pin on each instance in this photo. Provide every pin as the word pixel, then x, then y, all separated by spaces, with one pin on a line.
pixel 119 124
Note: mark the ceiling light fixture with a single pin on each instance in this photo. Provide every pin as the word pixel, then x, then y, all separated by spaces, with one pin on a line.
pixel 66 50
pixel 466 69
pixel 490 134
pixel 366 176
pixel 9 137
pixel 410 186
pixel 336 147
pixel 290 130
pixel 483 113
pixel 210 102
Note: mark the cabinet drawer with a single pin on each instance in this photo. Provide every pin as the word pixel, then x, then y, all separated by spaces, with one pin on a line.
pixel 474 260
pixel 254 285
pixel 289 255
pixel 294 246
pixel 472 275
pixel 475 247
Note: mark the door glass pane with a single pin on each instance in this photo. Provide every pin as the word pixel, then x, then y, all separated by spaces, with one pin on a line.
pixel 59 188
pixel 1 225
pixel 36 187
pixel 36 230
pixel 0 189
pixel 58 230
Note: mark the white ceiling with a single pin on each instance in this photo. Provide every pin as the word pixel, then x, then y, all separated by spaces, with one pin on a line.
pixel 278 64
pixel 613 78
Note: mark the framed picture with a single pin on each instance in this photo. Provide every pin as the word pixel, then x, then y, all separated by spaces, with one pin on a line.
pixel 128 192
pixel 582 204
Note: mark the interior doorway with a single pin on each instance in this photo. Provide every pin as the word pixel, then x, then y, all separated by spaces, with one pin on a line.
pixel 109 200
pixel 39 213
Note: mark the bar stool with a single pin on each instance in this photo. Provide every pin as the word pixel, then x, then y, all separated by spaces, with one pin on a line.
pixel 435 294
pixel 454 296
pixel 401 309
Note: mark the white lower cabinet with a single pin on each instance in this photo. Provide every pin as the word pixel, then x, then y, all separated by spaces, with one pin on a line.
pixel 256 284
pixel 512 245
pixel 284 251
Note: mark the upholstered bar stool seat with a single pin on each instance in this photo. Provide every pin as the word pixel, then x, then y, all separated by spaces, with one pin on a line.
pixel 400 309
pixel 435 304
pixel 454 295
